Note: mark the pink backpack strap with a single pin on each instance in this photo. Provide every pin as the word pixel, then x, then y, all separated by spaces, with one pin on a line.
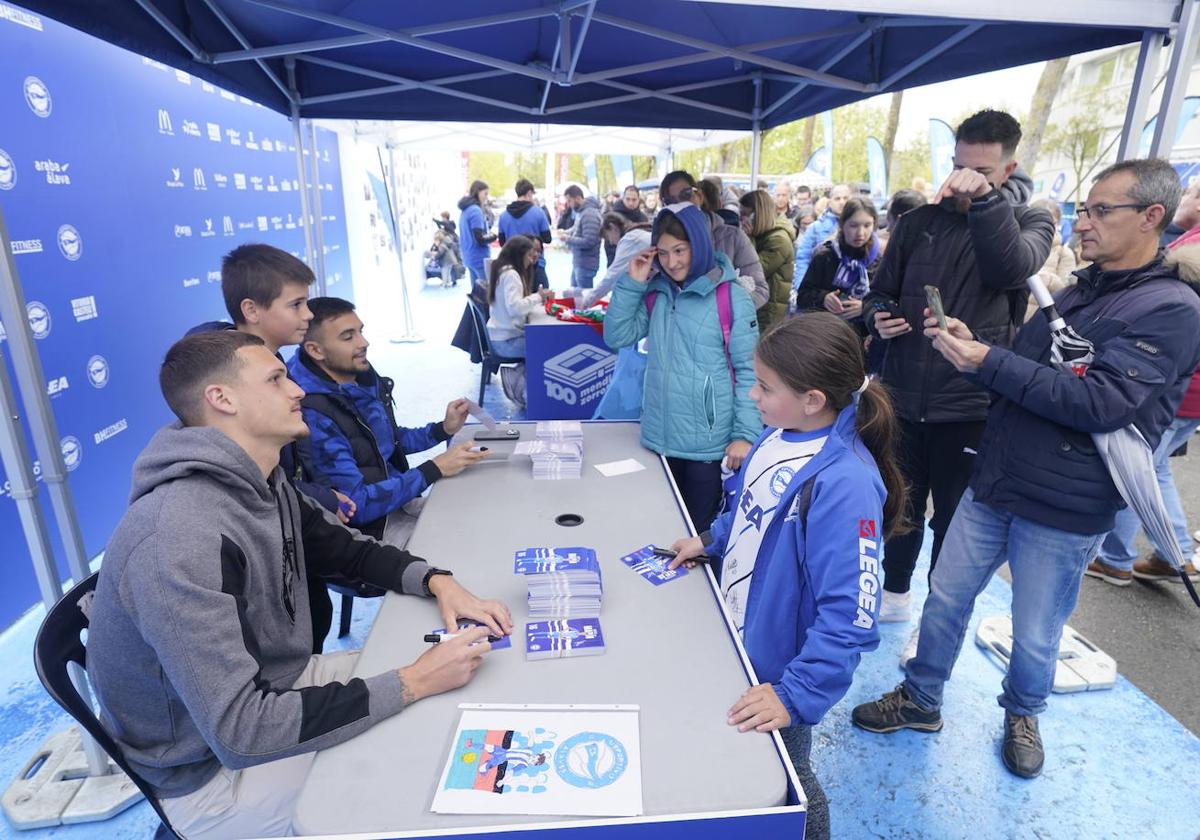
pixel 724 315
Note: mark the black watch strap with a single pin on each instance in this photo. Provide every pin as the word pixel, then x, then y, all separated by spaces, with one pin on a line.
pixel 433 570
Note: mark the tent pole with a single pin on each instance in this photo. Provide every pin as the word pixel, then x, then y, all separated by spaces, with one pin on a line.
pixel 410 334
pixel 298 139
pixel 318 222
pixel 756 134
pixel 1139 94
pixel 1178 72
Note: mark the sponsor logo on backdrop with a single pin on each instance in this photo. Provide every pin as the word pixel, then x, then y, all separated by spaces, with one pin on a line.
pixel 56 173
pixel 222 181
pixel 26 246
pixel 38 96
pixel 214 277
pixel 325 155
pixel 245 225
pixel 227 226
pixel 295 185
pixel 245 101
pixel 207 87
pixel 234 137
pixel 214 132
pixel 97 371
pixel 182 231
pixel 188 282
pixel 198 182
pixel 182 77
pixel 191 128
pixel 174 181
pixel 150 62
pixel 84 308
pixel 239 180
pixel 56 385
pixel 227 95
pixel 579 375
pixel 72 452
pixel 277 222
pixel 267 146
pixel 271 185
pixel 8 171
pixel 69 242
pixel 250 142
pixel 39 318
pixel 20 18
pixel 285 185
pixel 164 122
pixel 3 334
pixel 262 222
pixel 208 229
pixel 256 181
pixel 111 430
pixel 290 224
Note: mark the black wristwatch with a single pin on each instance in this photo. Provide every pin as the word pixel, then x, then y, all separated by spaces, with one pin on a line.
pixel 433 570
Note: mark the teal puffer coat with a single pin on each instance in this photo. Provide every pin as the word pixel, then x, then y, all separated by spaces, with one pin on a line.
pixel 689 406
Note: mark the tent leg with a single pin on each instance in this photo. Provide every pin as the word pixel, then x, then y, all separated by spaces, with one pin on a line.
pixel 1139 94
pixel 318 221
pixel 755 154
pixel 1178 72
pixel 410 334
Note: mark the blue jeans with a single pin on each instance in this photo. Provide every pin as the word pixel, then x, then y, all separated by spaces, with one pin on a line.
pixel 582 278
pixel 513 348
pixel 1119 549
pixel 1046 564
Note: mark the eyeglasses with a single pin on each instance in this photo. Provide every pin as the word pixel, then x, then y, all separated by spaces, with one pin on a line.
pixel 1098 212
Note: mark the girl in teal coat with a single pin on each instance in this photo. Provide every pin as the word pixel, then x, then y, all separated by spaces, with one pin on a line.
pixel 696 406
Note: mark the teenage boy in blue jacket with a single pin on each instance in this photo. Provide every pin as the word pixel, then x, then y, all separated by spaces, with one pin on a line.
pixel 524 217
pixel 1040 497
pixel 355 439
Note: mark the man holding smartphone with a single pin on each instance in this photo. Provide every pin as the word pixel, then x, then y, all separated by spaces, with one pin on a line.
pixel 976 246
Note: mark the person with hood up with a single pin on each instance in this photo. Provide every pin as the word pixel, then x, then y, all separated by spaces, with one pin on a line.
pixel 473 223
pixel 200 647
pixel 774 239
pixel 696 406
pixel 583 238
pixel 629 207
pixel 729 240
pixel 977 243
pixel 823 227
pixel 524 217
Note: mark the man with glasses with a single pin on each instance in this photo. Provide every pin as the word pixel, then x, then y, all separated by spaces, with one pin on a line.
pixel 1040 498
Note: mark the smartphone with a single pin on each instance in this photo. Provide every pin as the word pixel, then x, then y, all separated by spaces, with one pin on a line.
pixel 933 297
pixel 888 306
pixel 498 434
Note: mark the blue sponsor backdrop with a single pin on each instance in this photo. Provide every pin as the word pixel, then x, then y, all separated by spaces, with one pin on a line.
pixel 123 182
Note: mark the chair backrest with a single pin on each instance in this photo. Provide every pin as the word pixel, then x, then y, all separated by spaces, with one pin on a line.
pixel 58 643
pixel 480 325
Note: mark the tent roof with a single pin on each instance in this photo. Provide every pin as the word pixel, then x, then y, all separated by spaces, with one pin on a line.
pixel 659 63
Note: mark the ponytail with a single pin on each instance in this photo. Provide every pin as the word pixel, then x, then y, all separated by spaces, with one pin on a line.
pixel 875 423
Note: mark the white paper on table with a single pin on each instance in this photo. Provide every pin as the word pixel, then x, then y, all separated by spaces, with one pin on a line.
pixel 576 760
pixel 525 447
pixel 613 468
pixel 481 414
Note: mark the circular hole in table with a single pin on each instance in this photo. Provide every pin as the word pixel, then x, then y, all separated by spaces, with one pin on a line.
pixel 568 520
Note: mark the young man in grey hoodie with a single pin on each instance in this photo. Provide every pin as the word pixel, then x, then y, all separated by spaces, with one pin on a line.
pixel 200 642
pixel 583 238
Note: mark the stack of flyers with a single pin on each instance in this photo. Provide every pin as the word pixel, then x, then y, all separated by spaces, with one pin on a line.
pixel 561 582
pixel 651 567
pixel 559 430
pixel 553 459
pixel 562 639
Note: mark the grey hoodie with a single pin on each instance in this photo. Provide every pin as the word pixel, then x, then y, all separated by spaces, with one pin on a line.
pixel 201 626
pixel 584 239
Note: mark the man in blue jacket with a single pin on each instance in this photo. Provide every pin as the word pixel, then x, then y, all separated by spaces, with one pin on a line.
pixel 524 217
pixel 821 229
pixel 1040 497
pixel 355 439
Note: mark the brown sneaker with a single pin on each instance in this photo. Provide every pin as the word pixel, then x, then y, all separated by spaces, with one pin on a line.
pixel 1109 574
pixel 1154 568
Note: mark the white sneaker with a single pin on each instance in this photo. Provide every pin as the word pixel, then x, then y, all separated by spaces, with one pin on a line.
pixel 910 649
pixel 895 607
pixel 1196 536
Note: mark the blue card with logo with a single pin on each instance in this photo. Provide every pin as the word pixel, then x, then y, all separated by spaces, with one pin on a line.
pixel 651 567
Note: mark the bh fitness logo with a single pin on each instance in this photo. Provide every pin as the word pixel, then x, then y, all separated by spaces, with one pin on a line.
pixel 579 375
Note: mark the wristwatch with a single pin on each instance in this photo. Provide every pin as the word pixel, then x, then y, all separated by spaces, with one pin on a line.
pixel 433 570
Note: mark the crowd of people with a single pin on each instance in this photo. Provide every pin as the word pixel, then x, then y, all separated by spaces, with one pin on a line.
pixel 805 396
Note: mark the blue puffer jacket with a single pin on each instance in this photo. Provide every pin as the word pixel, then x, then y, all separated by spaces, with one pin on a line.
pixel 357 444
pixel 584 239
pixel 471 218
pixel 689 406
pixel 811 611
pixel 1037 458
pixel 821 229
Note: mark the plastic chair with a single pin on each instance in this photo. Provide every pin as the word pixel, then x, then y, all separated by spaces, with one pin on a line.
pixel 491 361
pixel 58 643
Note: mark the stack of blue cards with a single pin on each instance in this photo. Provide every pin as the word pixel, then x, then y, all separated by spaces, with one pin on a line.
pixel 561 582
pixel 564 638
pixel 651 567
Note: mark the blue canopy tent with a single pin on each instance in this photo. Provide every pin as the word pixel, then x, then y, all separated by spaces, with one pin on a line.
pixel 696 64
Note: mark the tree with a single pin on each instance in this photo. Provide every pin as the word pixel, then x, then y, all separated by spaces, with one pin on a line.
pixel 1077 138
pixel 1039 111
pixel 889 133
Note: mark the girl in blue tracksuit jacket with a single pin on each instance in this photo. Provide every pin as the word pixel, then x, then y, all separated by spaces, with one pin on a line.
pixel 800 547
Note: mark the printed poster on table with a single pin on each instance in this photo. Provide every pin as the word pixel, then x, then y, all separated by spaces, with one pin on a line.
pixel 543 759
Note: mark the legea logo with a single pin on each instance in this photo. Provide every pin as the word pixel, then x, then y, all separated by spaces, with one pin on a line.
pixel 69 243
pixel 38 96
pixel 72 452
pixel 97 371
pixel 579 375
pixel 8 171
pixel 39 318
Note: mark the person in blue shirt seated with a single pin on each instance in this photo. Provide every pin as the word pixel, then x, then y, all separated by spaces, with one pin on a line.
pixel 356 442
pixel 524 217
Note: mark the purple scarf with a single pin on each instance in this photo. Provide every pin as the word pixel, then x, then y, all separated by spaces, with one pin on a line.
pixel 851 274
